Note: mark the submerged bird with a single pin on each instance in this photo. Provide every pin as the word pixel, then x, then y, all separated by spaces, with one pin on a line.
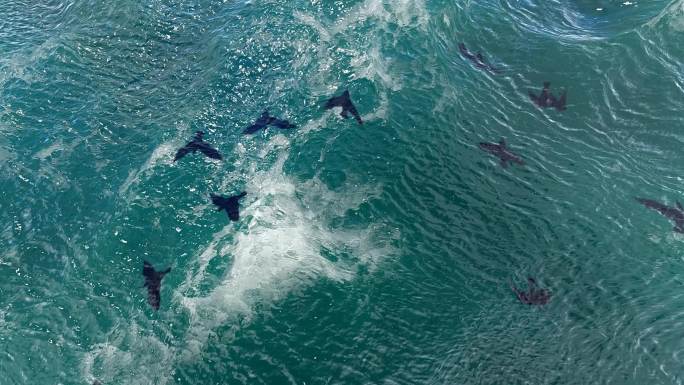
pixel 345 102
pixel 198 143
pixel 501 151
pixel 547 99
pixel 477 59
pixel 534 295
pixel 676 214
pixel 153 280
pixel 230 204
pixel 267 120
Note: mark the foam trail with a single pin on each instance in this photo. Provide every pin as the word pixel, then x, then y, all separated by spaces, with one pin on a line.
pixel 164 150
pixel 122 357
pixel 283 240
pixel 401 12
pixel 280 249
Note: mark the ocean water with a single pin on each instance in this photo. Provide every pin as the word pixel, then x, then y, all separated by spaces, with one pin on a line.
pixel 374 254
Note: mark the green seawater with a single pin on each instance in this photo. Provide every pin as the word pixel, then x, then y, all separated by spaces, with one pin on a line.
pixel 365 254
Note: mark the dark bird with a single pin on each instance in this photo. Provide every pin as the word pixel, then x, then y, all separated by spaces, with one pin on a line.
pixel 153 280
pixel 534 295
pixel 230 204
pixel 675 214
pixel 96 382
pixel 198 143
pixel 477 59
pixel 345 102
pixel 501 151
pixel 547 99
pixel 267 120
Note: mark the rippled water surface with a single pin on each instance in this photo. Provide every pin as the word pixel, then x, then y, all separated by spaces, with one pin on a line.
pixel 373 254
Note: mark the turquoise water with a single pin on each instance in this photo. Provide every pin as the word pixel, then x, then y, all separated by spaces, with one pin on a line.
pixel 374 254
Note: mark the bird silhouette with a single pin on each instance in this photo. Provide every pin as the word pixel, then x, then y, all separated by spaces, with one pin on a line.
pixel 676 214
pixel 153 280
pixel 547 99
pixel 230 204
pixel 534 295
pixel 476 59
pixel 266 120
pixel 501 150
pixel 345 102
pixel 197 143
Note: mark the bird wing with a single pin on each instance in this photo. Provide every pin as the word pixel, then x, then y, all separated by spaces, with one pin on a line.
pixel 217 200
pixel 534 97
pixel 462 48
pixel 253 128
pixel 282 124
pixel 184 151
pixel 335 101
pixel 653 204
pixel 664 210
pixel 490 147
pixel 209 151
pixel 522 297
pixel 354 112
pixel 560 103
pixel 148 271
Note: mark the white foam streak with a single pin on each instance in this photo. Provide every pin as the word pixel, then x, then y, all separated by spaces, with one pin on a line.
pixel 120 358
pixel 162 151
pixel 280 250
pixel 674 13
pixel 20 65
pixel 401 12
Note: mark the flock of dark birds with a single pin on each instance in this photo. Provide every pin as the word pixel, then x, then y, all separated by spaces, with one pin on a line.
pixel 231 204
pixel 535 295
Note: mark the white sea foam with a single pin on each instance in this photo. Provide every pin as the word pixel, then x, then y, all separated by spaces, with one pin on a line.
pixel 162 151
pixel 367 61
pixel 309 20
pixel 677 16
pixel 47 152
pixel 372 65
pixel 285 240
pixel 19 65
pixel 163 154
pixel 280 249
pixel 404 13
pixel 58 149
pixel 131 356
pixel 673 14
